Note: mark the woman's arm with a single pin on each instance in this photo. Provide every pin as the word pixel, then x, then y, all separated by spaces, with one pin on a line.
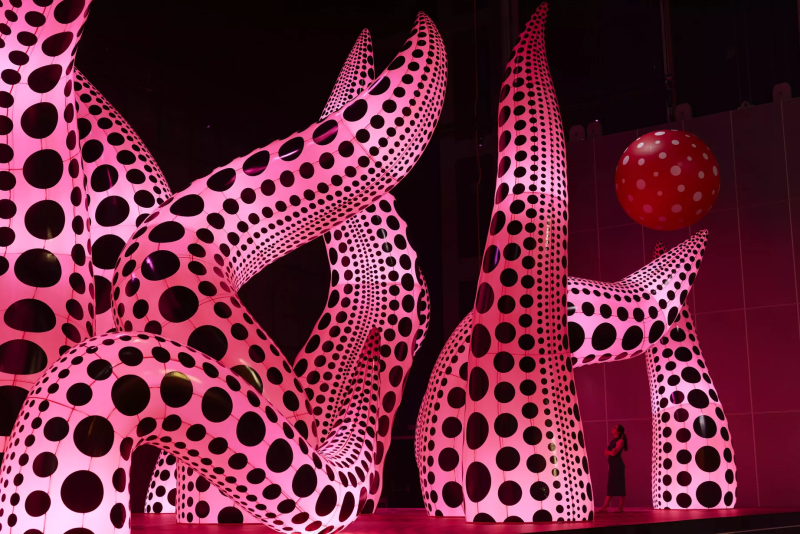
pixel 615 451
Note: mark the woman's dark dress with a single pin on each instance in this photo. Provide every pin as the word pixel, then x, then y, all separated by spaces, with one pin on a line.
pixel 616 472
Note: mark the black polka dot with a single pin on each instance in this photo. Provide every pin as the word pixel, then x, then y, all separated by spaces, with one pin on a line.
pixel 106 251
pixel 130 395
pixel 216 405
pixel 256 163
pixel 82 492
pixel 478 481
pixel 56 429
pixel 37 503
pixel 167 232
pixel 160 265
pixel 44 79
pixel 39 120
pixel 251 429
pixel 187 206
pixel 45 219
pixel 178 304
pixel 94 436
pixel 30 315
pixel 176 389
pixel 45 464
pixel 305 481
pixel 221 180
pixel 111 211
pixel 209 340
pixel 279 456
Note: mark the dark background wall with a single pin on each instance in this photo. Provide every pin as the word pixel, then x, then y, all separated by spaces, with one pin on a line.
pixel 204 82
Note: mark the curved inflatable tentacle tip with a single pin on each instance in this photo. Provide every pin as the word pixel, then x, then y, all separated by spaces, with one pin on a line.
pixel 689 422
pixel 357 74
pixel 519 319
pixel 622 320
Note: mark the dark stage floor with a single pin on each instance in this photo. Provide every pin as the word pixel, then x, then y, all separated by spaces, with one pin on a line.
pixel 412 520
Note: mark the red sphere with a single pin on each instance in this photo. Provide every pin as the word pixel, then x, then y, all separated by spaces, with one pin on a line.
pixel 667 180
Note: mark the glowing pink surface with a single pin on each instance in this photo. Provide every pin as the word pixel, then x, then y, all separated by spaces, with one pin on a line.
pixel 470 423
pixel 175 285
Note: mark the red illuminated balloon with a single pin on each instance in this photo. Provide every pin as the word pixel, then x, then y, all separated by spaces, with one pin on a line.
pixel 667 180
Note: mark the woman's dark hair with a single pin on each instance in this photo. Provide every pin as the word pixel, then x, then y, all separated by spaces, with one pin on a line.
pixel 621 430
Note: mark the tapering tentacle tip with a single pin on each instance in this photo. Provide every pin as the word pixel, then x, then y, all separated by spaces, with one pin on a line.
pixel 702 237
pixel 423 19
pixel 534 29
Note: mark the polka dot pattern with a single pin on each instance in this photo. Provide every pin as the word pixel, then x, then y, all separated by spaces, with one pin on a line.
pixel 124 184
pixel 358 71
pixel 520 317
pixel 693 459
pixel 605 322
pixel 231 225
pixel 622 320
pixel 375 282
pixel 439 434
pixel 45 274
pixel 162 491
pixel 73 461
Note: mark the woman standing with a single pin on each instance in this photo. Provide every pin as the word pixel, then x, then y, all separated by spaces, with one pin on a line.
pixel 616 468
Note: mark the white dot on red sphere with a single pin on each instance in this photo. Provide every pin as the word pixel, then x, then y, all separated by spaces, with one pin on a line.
pixel 677 208
pixel 659 193
pixel 675 142
pixel 715 170
pixel 641 161
pixel 697 196
pixel 630 198
pixel 698 212
pixel 675 170
pixel 647 208
pixel 662 155
pixel 640 184
pixel 701 175
pixel 625 160
pixel 655 174
pixel 662 219
pixel 681 188
pixel 693 145
pixel 688 158
pixel 660 133
pixel 640 145
pixel 705 156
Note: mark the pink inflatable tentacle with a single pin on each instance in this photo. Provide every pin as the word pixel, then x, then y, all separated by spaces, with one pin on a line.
pixel 100 393
pixel 439 434
pixel 124 185
pixel 519 363
pixel 622 320
pixel 345 335
pixel 211 215
pixel 693 458
pixel 215 507
pixel 45 278
pixel 356 75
